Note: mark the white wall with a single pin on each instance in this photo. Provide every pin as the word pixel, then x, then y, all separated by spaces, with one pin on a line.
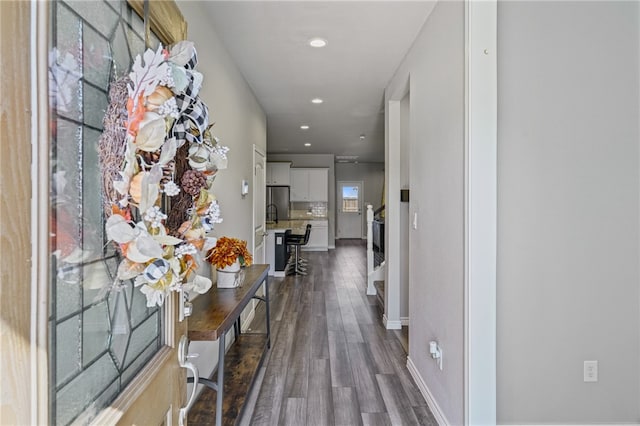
pixel 568 210
pixel 435 65
pixel 316 160
pixel 372 176
pixel 240 123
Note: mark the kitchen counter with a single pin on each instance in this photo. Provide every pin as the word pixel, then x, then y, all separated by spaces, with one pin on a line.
pixel 318 240
pixel 296 225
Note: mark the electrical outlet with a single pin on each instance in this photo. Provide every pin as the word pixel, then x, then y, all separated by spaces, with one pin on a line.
pixel 591 371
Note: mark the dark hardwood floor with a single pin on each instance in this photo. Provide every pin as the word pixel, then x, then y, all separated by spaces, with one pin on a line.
pixel 331 361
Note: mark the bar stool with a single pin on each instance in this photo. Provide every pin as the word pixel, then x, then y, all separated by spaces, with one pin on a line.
pixel 296 241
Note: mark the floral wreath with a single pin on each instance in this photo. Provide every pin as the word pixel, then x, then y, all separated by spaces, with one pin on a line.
pixel 157 140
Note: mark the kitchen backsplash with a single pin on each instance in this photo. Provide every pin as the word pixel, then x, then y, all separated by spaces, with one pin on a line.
pixel 304 210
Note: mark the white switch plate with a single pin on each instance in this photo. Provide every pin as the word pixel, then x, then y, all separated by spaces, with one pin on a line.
pixel 591 371
pixel 415 220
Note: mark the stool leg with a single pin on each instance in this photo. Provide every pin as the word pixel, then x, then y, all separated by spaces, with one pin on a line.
pixel 299 270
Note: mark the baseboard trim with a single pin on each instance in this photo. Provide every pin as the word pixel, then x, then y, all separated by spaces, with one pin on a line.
pixel 404 321
pixel 391 325
pixel 424 390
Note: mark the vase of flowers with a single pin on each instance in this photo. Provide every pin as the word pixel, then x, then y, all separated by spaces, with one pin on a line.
pixel 229 256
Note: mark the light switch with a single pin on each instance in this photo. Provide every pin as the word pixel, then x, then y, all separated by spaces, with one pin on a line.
pixel 415 220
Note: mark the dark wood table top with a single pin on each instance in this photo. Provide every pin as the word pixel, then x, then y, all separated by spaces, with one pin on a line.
pixel 215 311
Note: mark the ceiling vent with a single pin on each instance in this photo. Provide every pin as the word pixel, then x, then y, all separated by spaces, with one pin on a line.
pixel 346 158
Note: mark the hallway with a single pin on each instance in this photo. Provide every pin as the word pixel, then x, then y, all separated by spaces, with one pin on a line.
pixel 332 362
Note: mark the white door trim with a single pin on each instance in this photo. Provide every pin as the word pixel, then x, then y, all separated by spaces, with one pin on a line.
pixel 263 188
pixel 480 226
pixel 360 206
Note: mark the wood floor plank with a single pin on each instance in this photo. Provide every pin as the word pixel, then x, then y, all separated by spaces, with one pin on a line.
pixel 332 308
pixel 377 350
pixel 294 413
pixel 349 321
pixel 268 405
pixel 366 385
pixel 319 399
pixel 278 300
pixel 346 407
pixel 376 419
pixel 298 369
pixel 318 307
pixel 395 400
pixel 319 338
pixel 424 416
pixel 399 361
pixel 361 309
pixel 339 360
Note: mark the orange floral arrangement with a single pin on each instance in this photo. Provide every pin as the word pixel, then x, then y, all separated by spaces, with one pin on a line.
pixel 227 251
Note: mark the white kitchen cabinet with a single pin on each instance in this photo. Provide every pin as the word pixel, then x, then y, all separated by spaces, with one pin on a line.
pixel 319 237
pixel 319 185
pixel 278 173
pixel 309 184
pixel 299 185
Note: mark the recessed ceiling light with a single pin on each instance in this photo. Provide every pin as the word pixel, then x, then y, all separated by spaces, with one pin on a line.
pixel 307 144
pixel 304 127
pixel 362 136
pixel 316 101
pixel 317 42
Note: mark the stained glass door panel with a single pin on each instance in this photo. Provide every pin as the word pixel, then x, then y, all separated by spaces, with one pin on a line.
pixel 101 334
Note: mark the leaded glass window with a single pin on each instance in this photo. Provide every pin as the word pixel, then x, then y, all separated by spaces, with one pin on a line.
pixel 100 336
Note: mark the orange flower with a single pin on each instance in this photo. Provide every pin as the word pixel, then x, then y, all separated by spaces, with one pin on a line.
pixel 227 251
pixel 135 116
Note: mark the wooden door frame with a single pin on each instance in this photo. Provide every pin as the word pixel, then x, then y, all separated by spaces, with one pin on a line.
pixel 24 236
pixel 23 348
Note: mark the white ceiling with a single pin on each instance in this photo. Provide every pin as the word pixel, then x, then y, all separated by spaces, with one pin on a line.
pixel 366 42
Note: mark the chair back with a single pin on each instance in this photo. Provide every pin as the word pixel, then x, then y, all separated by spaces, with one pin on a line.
pixel 307 233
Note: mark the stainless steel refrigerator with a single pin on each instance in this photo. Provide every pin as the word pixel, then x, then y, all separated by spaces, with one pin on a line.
pixel 277 203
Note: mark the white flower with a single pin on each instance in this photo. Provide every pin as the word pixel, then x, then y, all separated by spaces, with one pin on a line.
pixel 221 150
pixel 155 216
pixel 171 189
pixel 154 297
pixel 170 107
pixel 213 212
pixel 219 157
pixel 167 79
pixel 184 249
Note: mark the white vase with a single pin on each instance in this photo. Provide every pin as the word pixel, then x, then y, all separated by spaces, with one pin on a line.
pixel 229 276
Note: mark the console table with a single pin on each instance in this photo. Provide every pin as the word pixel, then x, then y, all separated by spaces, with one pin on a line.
pixel 214 313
